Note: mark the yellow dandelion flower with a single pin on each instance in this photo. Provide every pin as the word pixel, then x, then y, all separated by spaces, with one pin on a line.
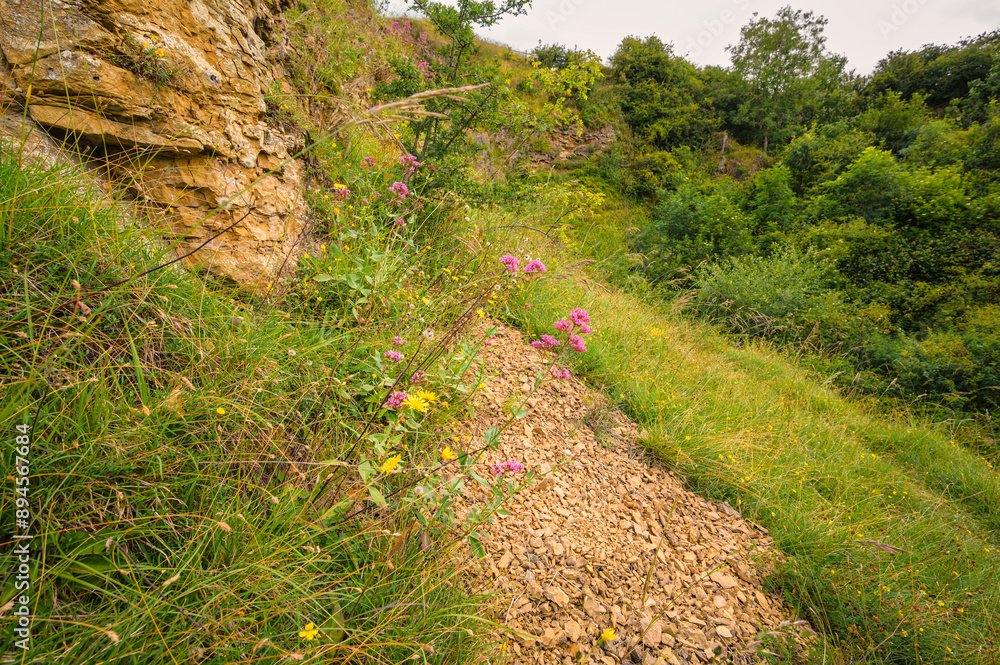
pixel 447 454
pixel 220 411
pixel 310 632
pixel 391 463
pixel 608 635
pixel 417 403
pixel 481 313
pixel 159 53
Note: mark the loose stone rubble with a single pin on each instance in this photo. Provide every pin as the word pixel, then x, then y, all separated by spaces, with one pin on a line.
pixel 573 557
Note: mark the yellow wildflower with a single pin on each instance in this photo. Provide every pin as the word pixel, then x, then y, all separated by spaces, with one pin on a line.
pixel 417 403
pixel 481 313
pixel 220 411
pixel 608 636
pixel 310 632
pixel 391 463
pixel 427 395
pixel 447 455
pixel 159 53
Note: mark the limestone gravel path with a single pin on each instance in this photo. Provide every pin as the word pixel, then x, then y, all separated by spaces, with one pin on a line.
pixel 573 557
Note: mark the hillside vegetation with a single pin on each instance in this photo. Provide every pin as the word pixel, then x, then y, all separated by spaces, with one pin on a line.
pixel 792 275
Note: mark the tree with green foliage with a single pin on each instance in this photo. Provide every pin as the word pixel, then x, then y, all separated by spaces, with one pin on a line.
pixel 456 22
pixel 662 98
pixel 791 78
pixel 943 74
pixel 439 134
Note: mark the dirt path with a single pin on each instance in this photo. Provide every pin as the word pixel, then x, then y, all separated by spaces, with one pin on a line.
pixel 572 558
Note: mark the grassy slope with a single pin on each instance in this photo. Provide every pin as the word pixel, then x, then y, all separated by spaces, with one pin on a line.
pixel 180 445
pixel 839 486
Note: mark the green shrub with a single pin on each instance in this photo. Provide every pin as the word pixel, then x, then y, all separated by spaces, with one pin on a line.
pixel 787 293
pixel 772 204
pixel 822 155
pixel 693 227
pixel 873 187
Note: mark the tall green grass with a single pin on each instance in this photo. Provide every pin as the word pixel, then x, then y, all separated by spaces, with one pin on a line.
pixel 890 528
pixel 195 453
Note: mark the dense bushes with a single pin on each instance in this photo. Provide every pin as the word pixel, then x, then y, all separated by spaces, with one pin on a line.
pixel 786 294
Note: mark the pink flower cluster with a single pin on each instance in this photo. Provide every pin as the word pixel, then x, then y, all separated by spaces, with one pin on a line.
pixel 546 343
pixel 511 465
pixel 340 193
pixel 578 323
pixel 534 266
pixel 399 223
pixel 394 356
pixel 513 264
pixel 398 341
pixel 369 162
pixel 418 376
pixel 400 190
pixel 396 400
pixel 404 31
pixel 409 163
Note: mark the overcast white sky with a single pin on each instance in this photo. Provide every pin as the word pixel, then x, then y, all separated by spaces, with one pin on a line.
pixel 863 30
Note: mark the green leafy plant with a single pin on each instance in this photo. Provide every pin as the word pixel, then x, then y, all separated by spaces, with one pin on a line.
pixel 146 60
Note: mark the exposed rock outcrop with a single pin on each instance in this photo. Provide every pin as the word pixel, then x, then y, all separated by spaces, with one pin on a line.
pixel 197 146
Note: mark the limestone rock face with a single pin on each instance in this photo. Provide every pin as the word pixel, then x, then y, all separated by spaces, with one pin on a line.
pixel 198 149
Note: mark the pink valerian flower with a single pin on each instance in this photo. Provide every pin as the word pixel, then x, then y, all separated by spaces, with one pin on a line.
pixel 400 190
pixel 546 343
pixel 534 266
pixel 563 325
pixel 418 376
pixel 584 329
pixel 340 192
pixel 488 342
pixel 511 262
pixel 579 317
pixel 369 162
pixel 396 400
pixel 560 373
pixel 398 341
pixel 409 162
pixel 576 343
pixel 394 356
pixel 511 465
pixel 399 223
